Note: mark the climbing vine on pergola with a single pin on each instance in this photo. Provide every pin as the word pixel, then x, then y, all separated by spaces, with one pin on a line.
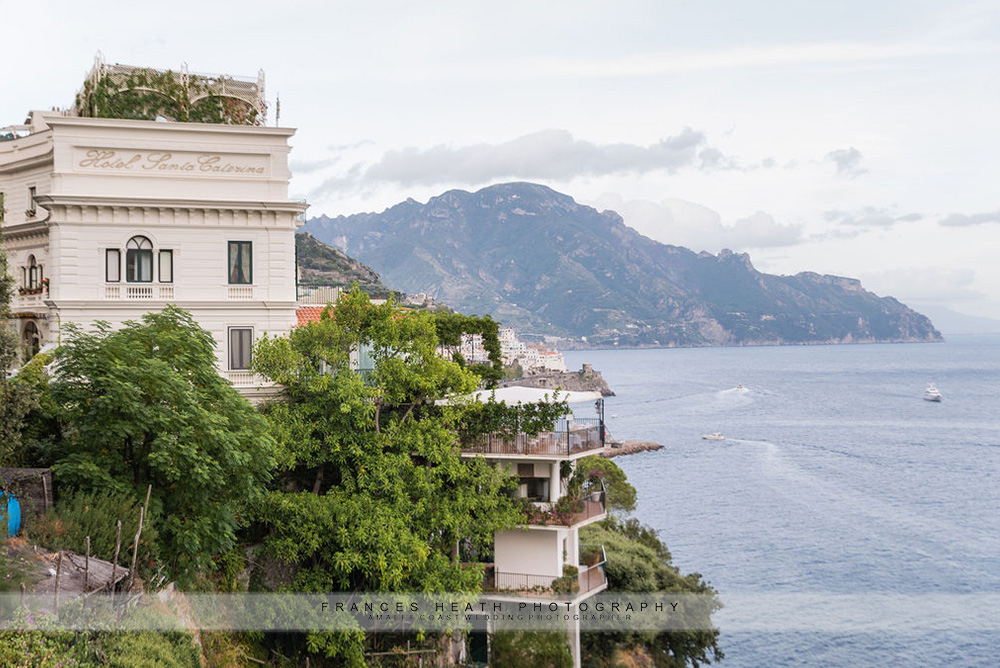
pixel 126 92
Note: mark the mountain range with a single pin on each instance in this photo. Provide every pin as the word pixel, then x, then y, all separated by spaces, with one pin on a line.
pixel 536 259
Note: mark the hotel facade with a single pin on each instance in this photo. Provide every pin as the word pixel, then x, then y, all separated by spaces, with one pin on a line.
pixel 108 219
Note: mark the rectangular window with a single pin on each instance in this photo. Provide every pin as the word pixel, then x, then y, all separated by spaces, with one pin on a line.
pixel 139 265
pixel 240 262
pixel 240 342
pixel 31 199
pixel 112 265
pixel 166 266
pixel 534 489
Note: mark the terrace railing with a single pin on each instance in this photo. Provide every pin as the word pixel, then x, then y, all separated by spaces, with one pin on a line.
pixel 569 438
pixel 589 579
pixel 592 577
pixel 567 512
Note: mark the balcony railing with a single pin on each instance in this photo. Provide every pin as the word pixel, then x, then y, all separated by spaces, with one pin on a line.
pixel 570 438
pixel 567 512
pixel 36 300
pixel 239 293
pixel 246 379
pixel 138 292
pixel 590 578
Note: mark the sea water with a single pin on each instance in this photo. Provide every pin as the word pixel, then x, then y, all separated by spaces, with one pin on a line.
pixel 845 521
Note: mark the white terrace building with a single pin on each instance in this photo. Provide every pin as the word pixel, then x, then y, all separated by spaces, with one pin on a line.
pixel 107 219
pixel 544 559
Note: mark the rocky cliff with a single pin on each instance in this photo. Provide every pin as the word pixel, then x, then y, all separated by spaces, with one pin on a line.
pixel 536 259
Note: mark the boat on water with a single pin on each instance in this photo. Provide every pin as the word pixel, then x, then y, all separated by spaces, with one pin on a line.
pixel 714 437
pixel 932 393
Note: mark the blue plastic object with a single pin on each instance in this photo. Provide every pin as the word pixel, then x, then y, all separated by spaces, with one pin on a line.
pixel 11 508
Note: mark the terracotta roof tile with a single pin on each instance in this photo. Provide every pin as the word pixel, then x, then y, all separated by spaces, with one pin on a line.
pixel 307 314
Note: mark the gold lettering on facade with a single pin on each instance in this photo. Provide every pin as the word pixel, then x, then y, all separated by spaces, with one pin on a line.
pixel 161 161
pixel 104 159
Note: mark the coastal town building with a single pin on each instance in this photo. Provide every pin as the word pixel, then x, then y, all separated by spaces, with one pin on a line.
pixel 110 218
pixel 532 358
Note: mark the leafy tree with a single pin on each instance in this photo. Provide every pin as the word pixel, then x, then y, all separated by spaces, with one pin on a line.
pixel 637 561
pixel 451 326
pixel 620 492
pixel 145 405
pixel 16 398
pixel 374 494
pixel 531 649
pixel 8 337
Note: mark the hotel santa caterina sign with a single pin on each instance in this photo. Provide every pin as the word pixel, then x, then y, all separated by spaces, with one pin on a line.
pixel 170 163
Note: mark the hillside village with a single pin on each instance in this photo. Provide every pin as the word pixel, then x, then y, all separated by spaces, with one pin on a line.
pixel 203 419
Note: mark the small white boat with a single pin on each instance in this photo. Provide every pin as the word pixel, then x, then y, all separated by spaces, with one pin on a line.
pixel 714 437
pixel 932 393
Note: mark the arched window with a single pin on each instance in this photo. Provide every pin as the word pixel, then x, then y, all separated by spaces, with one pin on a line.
pixel 139 260
pixel 32 340
pixel 34 273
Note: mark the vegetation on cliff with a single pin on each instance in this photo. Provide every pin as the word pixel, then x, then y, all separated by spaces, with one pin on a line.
pixel 352 482
pixel 321 265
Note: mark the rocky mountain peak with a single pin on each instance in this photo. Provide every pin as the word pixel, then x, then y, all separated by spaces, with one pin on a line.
pixel 536 259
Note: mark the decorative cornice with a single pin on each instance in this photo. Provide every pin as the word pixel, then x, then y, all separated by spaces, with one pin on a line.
pixel 133 211
pixel 25 231
pixel 57 200
pixel 153 304
pixel 171 126
pixel 25 163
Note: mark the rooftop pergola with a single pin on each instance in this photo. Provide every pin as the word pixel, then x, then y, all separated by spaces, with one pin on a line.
pixel 180 89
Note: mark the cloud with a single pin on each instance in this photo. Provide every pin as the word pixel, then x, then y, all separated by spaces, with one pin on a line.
pixel 848 161
pixel 924 284
pixel 336 153
pixel 745 57
pixel 549 154
pixel 870 217
pixel 310 166
pixel 682 223
pixel 966 220
pixel 761 230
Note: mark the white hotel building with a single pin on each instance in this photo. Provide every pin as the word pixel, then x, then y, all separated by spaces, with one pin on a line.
pixel 107 219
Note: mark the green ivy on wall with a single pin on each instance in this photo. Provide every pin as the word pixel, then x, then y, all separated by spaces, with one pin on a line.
pixel 147 94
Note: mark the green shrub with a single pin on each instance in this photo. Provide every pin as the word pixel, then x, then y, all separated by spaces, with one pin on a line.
pixel 77 516
pixel 148 649
pixel 531 649
pixel 569 583
pixel 39 646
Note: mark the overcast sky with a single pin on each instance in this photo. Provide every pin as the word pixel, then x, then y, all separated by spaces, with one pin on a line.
pixel 850 138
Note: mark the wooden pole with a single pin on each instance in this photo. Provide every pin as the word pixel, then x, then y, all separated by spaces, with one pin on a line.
pixel 86 569
pixel 135 545
pixel 58 576
pixel 114 562
pixel 22 596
